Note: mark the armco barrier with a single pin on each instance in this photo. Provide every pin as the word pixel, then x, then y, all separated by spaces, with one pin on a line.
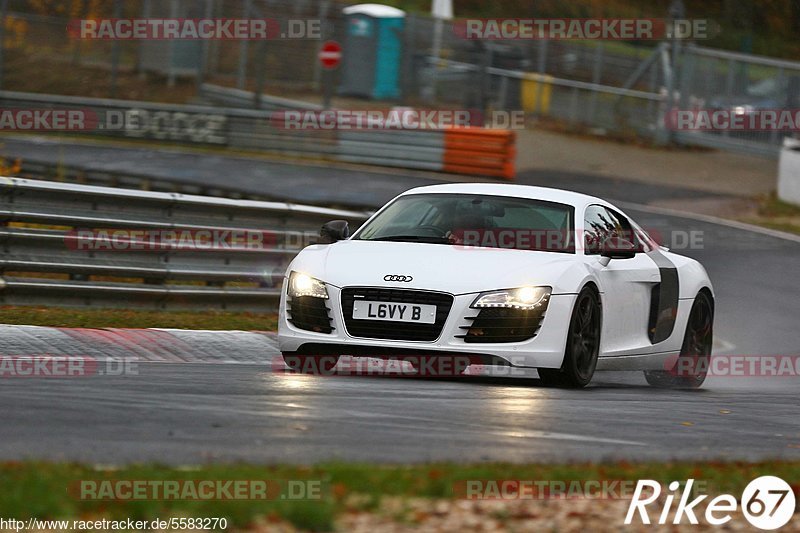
pixel 82 246
pixel 480 151
pixel 405 149
pixel 230 97
pixel 474 151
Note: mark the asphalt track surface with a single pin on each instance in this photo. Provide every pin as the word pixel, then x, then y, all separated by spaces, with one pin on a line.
pixel 203 397
pixel 308 184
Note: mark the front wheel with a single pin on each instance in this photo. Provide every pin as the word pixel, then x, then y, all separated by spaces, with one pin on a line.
pixel 583 344
pixel 691 367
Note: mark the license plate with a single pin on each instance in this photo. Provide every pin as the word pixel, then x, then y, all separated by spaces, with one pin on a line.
pixel 394 312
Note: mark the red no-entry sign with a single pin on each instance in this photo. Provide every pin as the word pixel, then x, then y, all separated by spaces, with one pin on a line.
pixel 330 55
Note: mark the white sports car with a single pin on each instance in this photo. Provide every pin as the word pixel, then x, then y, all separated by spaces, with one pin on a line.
pixel 524 276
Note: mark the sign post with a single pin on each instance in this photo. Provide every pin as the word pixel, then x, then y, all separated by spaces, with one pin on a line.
pixel 330 55
pixel 441 10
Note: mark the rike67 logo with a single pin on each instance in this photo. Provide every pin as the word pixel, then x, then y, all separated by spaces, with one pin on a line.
pixel 767 502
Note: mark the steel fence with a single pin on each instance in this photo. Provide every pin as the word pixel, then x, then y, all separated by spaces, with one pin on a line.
pixel 257 130
pixel 576 82
pixel 81 245
pixel 38 32
pixel 738 84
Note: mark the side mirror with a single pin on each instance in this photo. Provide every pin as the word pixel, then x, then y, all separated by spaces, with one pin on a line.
pixel 335 230
pixel 616 248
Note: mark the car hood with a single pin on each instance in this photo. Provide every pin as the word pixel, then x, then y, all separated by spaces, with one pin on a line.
pixel 454 269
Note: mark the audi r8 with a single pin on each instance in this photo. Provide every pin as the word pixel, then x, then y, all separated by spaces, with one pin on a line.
pixel 507 274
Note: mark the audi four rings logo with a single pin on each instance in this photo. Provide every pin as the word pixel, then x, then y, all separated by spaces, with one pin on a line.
pixel 392 277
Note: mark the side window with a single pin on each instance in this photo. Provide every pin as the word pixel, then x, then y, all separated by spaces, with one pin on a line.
pixel 601 223
pixel 622 228
pixel 628 232
pixel 597 227
pixel 644 242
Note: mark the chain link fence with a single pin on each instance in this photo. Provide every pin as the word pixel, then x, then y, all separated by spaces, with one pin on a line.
pixel 740 85
pixel 612 87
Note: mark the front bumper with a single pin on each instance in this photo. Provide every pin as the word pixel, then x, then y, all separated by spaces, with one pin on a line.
pixel 545 350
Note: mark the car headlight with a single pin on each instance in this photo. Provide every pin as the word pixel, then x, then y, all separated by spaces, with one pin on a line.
pixel 520 298
pixel 304 285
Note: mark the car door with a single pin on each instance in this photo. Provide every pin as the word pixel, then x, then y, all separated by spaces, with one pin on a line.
pixel 626 284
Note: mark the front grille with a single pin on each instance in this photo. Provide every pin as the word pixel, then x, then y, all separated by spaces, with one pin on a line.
pixel 495 324
pixel 310 313
pixel 401 331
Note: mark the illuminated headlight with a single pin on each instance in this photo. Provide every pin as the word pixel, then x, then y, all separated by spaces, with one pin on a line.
pixel 304 285
pixel 521 298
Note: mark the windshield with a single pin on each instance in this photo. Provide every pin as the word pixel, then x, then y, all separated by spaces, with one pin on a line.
pixel 474 220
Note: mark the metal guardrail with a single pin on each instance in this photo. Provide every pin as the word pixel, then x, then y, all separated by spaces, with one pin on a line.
pixel 246 129
pixel 230 97
pixel 550 80
pixel 58 250
pixel 108 177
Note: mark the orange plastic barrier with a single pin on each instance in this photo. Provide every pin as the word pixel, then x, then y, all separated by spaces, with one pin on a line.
pixel 480 151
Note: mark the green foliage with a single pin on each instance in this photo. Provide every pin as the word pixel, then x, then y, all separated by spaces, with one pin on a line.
pixel 765 27
pixel 127 318
pixel 42 490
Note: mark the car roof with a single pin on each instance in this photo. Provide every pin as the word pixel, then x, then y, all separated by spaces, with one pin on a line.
pixel 507 189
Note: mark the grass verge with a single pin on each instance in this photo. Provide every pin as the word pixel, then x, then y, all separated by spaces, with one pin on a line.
pixel 49 491
pixel 126 318
pixel 776 214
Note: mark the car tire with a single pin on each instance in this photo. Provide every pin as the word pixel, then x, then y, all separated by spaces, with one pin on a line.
pixel 691 366
pixel 311 364
pixel 583 344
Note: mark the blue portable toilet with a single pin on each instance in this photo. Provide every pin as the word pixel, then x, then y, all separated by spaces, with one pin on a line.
pixel 373 50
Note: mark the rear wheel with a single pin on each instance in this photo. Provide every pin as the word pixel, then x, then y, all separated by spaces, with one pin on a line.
pixel 583 344
pixel 311 364
pixel 691 367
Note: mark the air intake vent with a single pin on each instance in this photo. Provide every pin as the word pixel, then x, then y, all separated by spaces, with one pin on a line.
pixel 503 325
pixel 310 313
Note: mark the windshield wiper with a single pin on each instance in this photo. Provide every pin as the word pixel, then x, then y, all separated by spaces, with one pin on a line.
pixel 414 238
